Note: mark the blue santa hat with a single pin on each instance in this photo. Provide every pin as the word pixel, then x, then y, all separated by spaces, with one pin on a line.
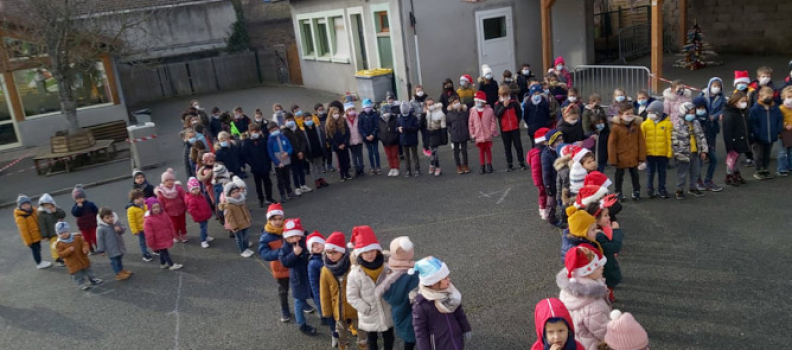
pixel 430 270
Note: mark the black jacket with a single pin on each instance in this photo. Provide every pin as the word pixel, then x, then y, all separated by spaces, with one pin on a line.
pixel 491 90
pixel 388 131
pixel 572 133
pixel 736 135
pixel 314 142
pixel 297 140
pixel 229 156
pixel 457 122
pixel 255 154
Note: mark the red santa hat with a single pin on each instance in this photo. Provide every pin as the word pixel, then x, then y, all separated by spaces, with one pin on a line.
pixel 569 151
pixel 578 265
pixel 597 178
pixel 274 209
pixel 336 242
pixel 466 77
pixel 480 97
pixel 589 194
pixel 578 154
pixel 292 227
pixel 741 77
pixel 315 237
pixel 363 240
pixel 540 135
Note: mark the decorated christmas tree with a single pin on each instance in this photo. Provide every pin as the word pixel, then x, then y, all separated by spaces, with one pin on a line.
pixel 696 54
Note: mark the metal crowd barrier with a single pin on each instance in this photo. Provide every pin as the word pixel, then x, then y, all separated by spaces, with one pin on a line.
pixel 590 79
pixel 634 41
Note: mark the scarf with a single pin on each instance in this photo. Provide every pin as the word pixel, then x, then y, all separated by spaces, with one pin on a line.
pixel 67 240
pixel 376 264
pixel 400 265
pixel 238 201
pixel 273 230
pixel 169 193
pixel 339 268
pixel 446 300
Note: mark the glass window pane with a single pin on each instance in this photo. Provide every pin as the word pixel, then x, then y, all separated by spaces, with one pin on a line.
pixel 307 38
pixel 322 47
pixel 382 22
pixel 7 134
pixel 39 91
pixel 386 54
pixel 494 28
pixel 22 49
pixel 90 86
pixel 5 111
pixel 340 42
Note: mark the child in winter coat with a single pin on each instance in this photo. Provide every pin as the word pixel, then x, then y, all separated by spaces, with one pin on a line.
pixel 237 216
pixel 582 162
pixel 397 287
pixel 488 85
pixel 355 137
pixel 417 104
pixel 199 209
pixel 627 149
pixel 562 167
pixel 609 234
pixel 560 70
pixel 583 291
pixel 295 255
pixel 48 215
pixel 136 211
pixel 689 144
pixel 766 124
pixel 240 122
pixel 408 126
pixel 555 329
pixel 297 140
pixel 457 120
pixel 85 211
pixel 315 151
pixel 701 112
pixel 657 130
pixel 536 111
pixel 466 92
pixel 620 102
pixel 509 115
pixel 160 233
pixel 332 289
pixel 388 133
pixel 438 318
pixel 736 136
pixel 511 84
pixel 227 152
pixel 764 78
pixel 596 122
pixel 582 229
pixel 254 150
pixel 534 158
pixel 170 195
pixel 74 251
pixel 573 99
pixel 642 102
pixel 436 126
pixel 447 94
pixel 675 96
pixel 713 105
pixel 338 134
pixel 482 126
pixel 111 243
pixel 624 333
pixel 571 127
pixel 549 156
pixel 374 314
pixel 785 149
pixel 269 247
pixel 315 243
pixel 280 150
pixel 27 221
pixel 367 126
pixel 141 183
pixel 558 89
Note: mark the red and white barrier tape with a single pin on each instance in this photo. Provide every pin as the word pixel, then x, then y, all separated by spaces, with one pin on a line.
pixel 145 138
pixel 671 81
pixel 16 161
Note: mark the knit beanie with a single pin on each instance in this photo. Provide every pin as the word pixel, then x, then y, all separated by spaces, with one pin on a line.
pixel 430 270
pixel 685 107
pixel 402 253
pixel 700 102
pixel 485 69
pixel 348 106
pixel 78 192
pixel 193 183
pixel 579 221
pixel 534 89
pixel 22 199
pixel 46 199
pixel 385 108
pixel 625 333
pixel 137 172
pixel 656 107
pixel 405 108
pixel 62 226
pixel 168 175
pixel 151 201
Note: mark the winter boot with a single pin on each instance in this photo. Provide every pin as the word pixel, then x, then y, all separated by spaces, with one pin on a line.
pixel 509 168
pixel 739 178
pixel 489 168
pixel 466 169
pixel 459 170
pixel 483 170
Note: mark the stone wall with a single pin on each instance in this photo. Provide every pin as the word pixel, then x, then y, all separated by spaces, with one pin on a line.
pixel 269 23
pixel 745 27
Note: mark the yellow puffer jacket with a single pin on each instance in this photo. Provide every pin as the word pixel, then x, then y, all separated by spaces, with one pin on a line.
pixel 27 222
pixel 658 137
pixel 135 218
pixel 331 294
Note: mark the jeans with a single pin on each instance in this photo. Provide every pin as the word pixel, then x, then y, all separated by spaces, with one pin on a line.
pixel 713 161
pixel 116 264
pixel 203 226
pixel 283 295
pixel 656 165
pixel 35 248
pixel 373 153
pixel 386 335
pixel 460 147
pixel 513 138
pixel 689 170
pixel 434 160
pixel 218 190
pixel 299 314
pixel 241 237
pixel 298 173
pixel 411 154
pixel 282 175
pixel 357 157
pixel 762 155
pixel 636 182
pixel 79 276
pixel 263 179
pixel 165 257
pixel 143 247
pixel 784 158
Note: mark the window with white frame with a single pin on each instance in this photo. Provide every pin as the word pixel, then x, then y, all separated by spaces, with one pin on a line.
pixel 324 36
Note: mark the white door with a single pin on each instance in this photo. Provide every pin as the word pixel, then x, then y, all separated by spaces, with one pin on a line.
pixel 9 137
pixel 496 40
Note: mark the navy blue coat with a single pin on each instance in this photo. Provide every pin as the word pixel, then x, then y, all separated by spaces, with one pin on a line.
pixel 766 124
pixel 255 154
pixel 409 135
pixel 229 156
pixel 298 269
pixel 368 125
pixel 339 138
pixel 398 296
pixel 215 127
pixel 536 116
pixel 315 265
pixel 549 172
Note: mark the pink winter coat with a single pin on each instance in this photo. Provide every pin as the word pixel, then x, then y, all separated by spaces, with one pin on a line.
pixel 535 161
pixel 354 133
pixel 198 207
pixel 159 231
pixel 172 206
pixel 586 300
pixel 482 127
pixel 672 101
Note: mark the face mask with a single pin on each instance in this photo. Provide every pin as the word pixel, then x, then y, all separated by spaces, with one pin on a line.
pixel 309 123
pixel 742 86
pixel 715 90
pixel 560 67
pixel 788 102
pixel 508 80
pixel 290 124
pixel 526 72
pixel 767 101
pixel 652 116
pixel 480 105
pixel 367 109
pixel 449 87
pixel 237 116
pixel 223 143
pixel 680 92
pixel 701 112
pixel 546 91
pixel 488 76
pixel 642 102
pixel 690 117
pixel 536 99
pixel 255 136
pixel 258 120
pixel 502 99
pixel 430 108
pixel 336 116
pixel 573 122
pixel 275 133
pixel 600 126
pixel 620 98
pixel 462 83
pixel 321 113
pixel 194 122
pixel 572 98
pixel 352 113
pixel 628 118
pixel 419 93
pixel 742 105
pixel 764 81
pixel 197 106
pixel 457 105
pixel 192 140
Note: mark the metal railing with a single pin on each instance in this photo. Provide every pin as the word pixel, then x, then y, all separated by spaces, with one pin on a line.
pixel 603 80
pixel 634 41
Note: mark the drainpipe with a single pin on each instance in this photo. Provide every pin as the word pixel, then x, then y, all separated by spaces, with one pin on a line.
pixel 404 47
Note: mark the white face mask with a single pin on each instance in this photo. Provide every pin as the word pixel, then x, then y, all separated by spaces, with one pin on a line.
pixel 652 116
pixel 764 80
pixel 628 118
pixel 336 116
pixel 742 105
pixel 715 90
pixel 255 136
pixel 560 67
pixel 572 98
pixel 457 105
pixel 419 93
pixel 526 72
pixel 788 102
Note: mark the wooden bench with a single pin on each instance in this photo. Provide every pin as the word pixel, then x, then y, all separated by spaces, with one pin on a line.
pixel 116 131
pixel 105 149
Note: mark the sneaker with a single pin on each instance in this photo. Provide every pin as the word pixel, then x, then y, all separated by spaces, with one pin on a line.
pixel 407 174
pixel 663 194
pixel 509 168
pixel 204 244
pixel 543 214
pixel 269 201
pixel 247 253
pixel 767 175
pixel 696 193
pixel 298 192
pixel 523 167
pixel 621 196
pixel 713 187
pixel 285 319
pixel 261 203
pixel 96 282
pixel 759 176
pixel 749 162
pixel 309 309
pixel 176 267
pixel 334 341
pixel 175 240
pixel 85 288
pixel 417 173
pixel 680 195
pixel 650 193
pixel 378 171
pixel 636 195
pixel 431 169
pixel 59 263
pixel 437 172
pixel 427 153
pixel 782 173
pixel 700 185
pixel 154 253
pixel 163 266
pixel 307 330
pixel 395 172
pixel 209 238
pixel 147 258
pixel 183 239
pixel 44 265
pixel 390 173
pixel 305 189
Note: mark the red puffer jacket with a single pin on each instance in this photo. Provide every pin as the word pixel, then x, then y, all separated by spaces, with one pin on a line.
pixel 198 207
pixel 159 231
pixel 172 206
pixel 509 115
pixel 535 160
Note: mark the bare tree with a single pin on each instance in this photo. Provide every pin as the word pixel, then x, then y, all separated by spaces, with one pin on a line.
pixel 74 34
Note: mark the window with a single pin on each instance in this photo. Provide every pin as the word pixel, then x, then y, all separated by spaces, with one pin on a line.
pixel 359 40
pixel 383 39
pixel 322 46
pixel 18 49
pixel 307 38
pixel 38 90
pixel 340 44
pixel 494 28
pixel 382 22
pixel 324 36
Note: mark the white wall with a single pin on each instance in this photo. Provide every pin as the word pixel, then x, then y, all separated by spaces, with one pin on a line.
pixel 572 32
pixel 37 131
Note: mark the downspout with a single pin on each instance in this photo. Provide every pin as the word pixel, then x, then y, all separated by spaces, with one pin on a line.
pixel 404 47
pixel 415 39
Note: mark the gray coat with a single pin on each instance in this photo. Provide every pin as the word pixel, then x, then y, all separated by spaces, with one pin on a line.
pixel 108 240
pixel 47 221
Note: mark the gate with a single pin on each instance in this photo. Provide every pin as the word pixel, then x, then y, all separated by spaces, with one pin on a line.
pixel 604 79
pixel 634 41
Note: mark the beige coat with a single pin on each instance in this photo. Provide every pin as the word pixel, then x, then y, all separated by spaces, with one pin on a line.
pixel 374 314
